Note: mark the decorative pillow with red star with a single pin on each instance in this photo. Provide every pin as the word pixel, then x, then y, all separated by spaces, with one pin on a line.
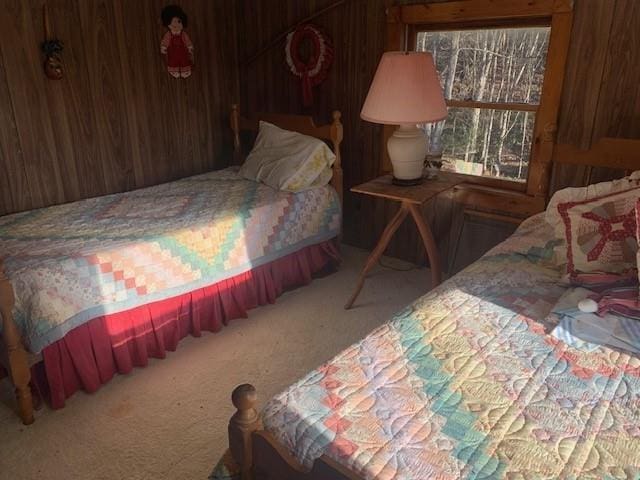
pixel 579 194
pixel 601 233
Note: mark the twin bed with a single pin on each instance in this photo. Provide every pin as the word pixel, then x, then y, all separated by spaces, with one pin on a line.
pixel 467 382
pixel 96 287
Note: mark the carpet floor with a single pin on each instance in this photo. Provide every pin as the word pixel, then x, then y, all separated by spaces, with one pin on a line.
pixel 169 420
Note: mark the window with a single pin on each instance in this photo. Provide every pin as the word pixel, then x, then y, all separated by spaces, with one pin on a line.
pixel 492 79
pixel 519 156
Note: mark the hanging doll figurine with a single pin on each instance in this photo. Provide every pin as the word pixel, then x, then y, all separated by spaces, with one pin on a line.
pixel 176 44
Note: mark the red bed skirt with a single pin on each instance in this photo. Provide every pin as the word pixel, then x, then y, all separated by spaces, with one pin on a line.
pixel 91 354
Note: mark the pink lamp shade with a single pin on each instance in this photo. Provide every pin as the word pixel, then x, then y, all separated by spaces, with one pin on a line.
pixel 405 90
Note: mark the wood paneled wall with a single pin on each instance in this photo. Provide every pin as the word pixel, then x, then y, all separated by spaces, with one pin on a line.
pixel 117 121
pixel 600 96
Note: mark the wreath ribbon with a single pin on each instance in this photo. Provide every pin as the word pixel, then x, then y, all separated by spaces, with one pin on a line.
pixel 314 71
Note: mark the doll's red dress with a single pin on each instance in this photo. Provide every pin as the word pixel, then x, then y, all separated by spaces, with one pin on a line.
pixel 179 49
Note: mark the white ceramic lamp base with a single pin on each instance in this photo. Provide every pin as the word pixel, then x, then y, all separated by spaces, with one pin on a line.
pixel 407 149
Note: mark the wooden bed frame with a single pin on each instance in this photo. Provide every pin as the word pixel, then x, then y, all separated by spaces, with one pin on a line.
pixel 13 354
pixel 259 454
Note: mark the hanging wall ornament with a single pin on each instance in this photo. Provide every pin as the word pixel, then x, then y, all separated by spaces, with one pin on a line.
pixel 52 50
pixel 314 69
pixel 176 45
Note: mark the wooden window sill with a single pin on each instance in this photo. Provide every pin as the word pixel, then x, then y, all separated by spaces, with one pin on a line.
pixel 499 200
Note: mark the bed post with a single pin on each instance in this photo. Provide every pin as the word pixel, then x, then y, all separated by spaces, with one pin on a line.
pixel 336 138
pixel 243 423
pixel 235 126
pixel 18 362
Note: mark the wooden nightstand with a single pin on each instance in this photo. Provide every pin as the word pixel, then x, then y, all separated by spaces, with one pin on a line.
pixel 410 198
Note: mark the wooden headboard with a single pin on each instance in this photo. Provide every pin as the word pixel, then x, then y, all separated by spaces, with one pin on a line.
pixel 616 153
pixel 296 123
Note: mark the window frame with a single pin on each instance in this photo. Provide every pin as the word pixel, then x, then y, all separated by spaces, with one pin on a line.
pixel 415 29
pixel 405 21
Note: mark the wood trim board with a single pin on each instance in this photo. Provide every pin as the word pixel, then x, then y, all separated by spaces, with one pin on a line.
pixel 519 107
pixel 545 129
pixel 465 10
pixel 617 153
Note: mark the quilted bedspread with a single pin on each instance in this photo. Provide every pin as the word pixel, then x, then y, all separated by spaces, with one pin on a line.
pixel 467 383
pixel 74 262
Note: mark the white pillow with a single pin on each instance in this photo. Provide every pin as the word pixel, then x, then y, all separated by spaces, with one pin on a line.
pixel 287 160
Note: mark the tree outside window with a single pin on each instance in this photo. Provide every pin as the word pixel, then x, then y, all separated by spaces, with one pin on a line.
pixel 492 80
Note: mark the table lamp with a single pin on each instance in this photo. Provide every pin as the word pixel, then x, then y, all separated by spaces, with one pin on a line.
pixel 405 91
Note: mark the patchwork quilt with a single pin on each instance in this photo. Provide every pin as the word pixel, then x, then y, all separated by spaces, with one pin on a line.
pixel 71 263
pixel 468 383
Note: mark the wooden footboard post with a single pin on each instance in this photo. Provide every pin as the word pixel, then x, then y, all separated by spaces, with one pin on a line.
pixel 336 138
pixel 243 423
pixel 18 361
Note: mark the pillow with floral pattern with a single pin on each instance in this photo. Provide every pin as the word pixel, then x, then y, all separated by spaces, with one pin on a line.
pixel 578 194
pixel 601 234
